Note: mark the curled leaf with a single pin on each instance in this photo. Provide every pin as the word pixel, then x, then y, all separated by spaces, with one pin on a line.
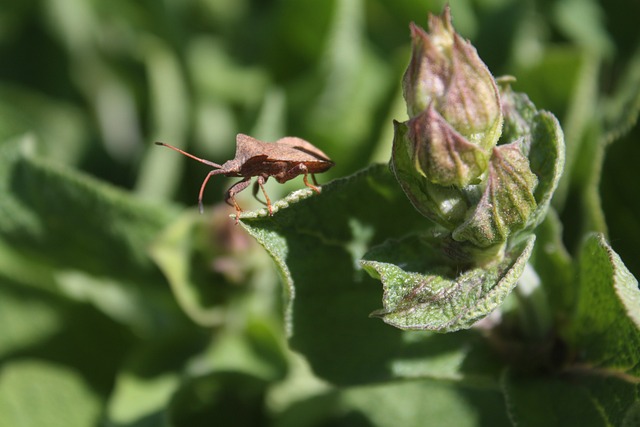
pixel 425 288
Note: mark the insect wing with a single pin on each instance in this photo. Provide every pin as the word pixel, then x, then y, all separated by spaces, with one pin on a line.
pixel 300 145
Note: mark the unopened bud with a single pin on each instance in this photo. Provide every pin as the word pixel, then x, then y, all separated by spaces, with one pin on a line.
pixel 447 80
pixel 453 158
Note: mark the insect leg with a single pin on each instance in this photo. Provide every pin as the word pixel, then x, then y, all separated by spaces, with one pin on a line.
pixel 306 181
pixel 261 180
pixel 298 169
pixel 256 188
pixel 230 197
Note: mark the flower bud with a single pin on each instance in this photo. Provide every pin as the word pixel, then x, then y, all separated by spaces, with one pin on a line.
pixel 447 79
pixel 441 154
pixel 482 182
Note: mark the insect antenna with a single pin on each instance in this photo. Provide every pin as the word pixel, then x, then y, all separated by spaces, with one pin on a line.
pixel 206 162
pixel 216 171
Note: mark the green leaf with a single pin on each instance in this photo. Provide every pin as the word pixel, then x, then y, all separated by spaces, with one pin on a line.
pixel 554 266
pixel 339 216
pixel 61 125
pixel 546 159
pixel 407 404
pixel 36 393
pixel 621 207
pixel 256 347
pixel 28 317
pixel 350 80
pixel 578 397
pixel 565 81
pixel 316 243
pixel 229 398
pixel 606 325
pixel 542 144
pixel 135 398
pixel 66 233
pixel 180 251
pixel 426 289
pixel 583 22
pixel 621 110
pixel 616 397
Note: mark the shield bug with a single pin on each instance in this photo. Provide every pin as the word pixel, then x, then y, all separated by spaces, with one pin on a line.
pixel 283 160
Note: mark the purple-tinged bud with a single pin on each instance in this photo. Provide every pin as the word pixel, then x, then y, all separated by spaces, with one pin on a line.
pixel 447 76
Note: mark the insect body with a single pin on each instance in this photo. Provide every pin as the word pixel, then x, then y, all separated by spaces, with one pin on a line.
pixel 284 160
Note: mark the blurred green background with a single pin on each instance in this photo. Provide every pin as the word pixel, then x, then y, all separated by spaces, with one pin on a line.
pixel 93 216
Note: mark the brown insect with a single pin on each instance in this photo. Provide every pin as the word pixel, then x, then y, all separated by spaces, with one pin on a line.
pixel 284 160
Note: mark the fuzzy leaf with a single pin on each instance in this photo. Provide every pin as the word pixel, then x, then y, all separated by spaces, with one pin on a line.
pixel 542 143
pixel 606 326
pixel 579 397
pixel 316 242
pixel 426 289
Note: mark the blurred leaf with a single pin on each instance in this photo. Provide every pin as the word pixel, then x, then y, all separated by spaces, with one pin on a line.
pixel 257 348
pixel 583 21
pixel 36 393
pixel 218 75
pixel 81 338
pixel 59 126
pixel 179 252
pixel 214 268
pixel 565 81
pixel 583 212
pixel 170 109
pixel 409 403
pixel 554 266
pixel 622 108
pixel 228 398
pixel 606 327
pixel 351 82
pixel 621 207
pixel 71 235
pixel 300 31
pixel 27 318
pixel 140 401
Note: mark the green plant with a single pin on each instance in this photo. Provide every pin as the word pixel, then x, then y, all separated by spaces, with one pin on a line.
pixel 491 307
